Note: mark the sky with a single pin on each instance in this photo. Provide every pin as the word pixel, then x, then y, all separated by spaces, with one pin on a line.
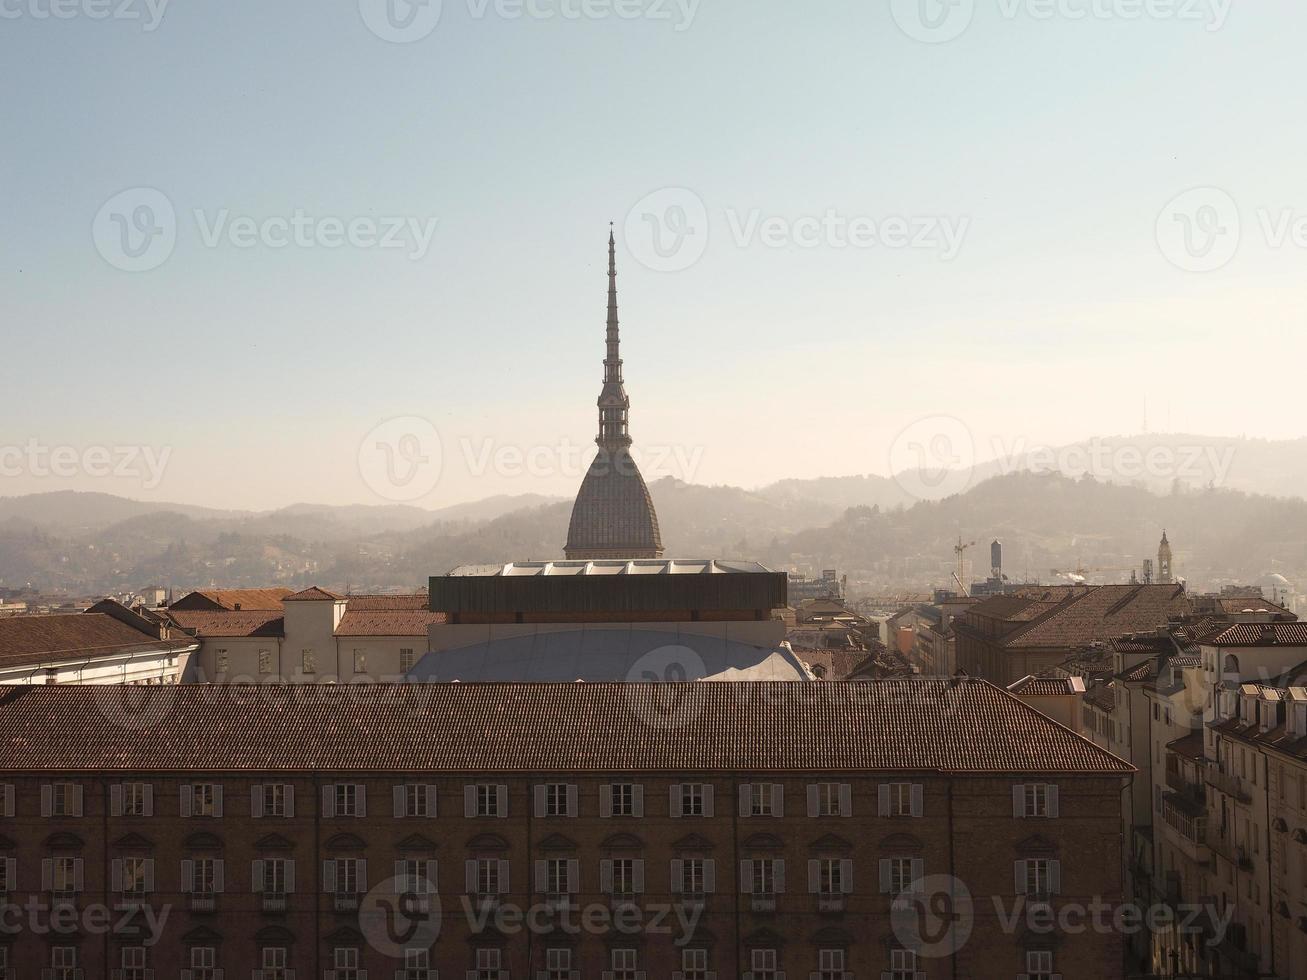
pixel 258 253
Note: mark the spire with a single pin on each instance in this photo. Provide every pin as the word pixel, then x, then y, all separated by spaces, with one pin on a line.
pixel 614 405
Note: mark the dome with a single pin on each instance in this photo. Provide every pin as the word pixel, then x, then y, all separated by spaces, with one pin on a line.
pixel 1274 578
pixel 613 516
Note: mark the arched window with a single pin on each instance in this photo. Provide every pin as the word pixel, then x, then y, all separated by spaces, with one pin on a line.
pixel 1231 664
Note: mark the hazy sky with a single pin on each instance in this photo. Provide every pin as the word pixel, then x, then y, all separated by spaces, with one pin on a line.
pixel 878 223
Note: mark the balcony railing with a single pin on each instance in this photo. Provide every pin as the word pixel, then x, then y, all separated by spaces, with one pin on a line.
pixel 763 902
pixel 345 902
pixel 1227 783
pixel 830 903
pixel 274 901
pixel 203 901
pixel 1229 850
pixel 1193 791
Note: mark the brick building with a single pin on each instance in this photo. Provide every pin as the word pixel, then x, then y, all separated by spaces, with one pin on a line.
pixel 692 831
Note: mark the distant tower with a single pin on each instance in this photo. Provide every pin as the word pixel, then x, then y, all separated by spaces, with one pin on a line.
pixel 613 516
pixel 1148 571
pixel 1164 576
pixel 996 559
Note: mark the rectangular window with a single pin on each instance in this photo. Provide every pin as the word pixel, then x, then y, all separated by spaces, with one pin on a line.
pixel 624 964
pixel 407 660
pixel 828 799
pixel 204 963
pixel 360 662
pixel 487 961
pixel 487 876
pixel 623 799
pixel 63 800
pixel 694 964
pixel 222 661
pixel 275 960
pixel 900 799
pixel 760 800
pixel 134 795
pixel 204 800
pixel 900 875
pixel 1039 964
pixel 764 877
pixel 830 880
pixel 556 800
pixel 693 880
pixel 902 964
pixel 63 878
pixel 133 960
pixel 623 876
pixel 692 796
pixel 275 799
pixel 415 800
pixel 830 964
pixel 275 876
pixel 1038 879
pixel 265 662
pixel 762 963
pixel 1036 800
pixel 347 800
pixel 308 662
pixel 556 877
pixel 346 961
pixel 558 964
pixel 134 875
pixel 63 962
pixel 487 800
pixel 349 877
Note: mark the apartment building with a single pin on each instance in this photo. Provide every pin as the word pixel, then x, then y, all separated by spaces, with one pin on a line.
pixel 496 831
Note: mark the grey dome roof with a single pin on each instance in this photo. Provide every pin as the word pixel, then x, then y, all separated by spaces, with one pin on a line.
pixel 613 516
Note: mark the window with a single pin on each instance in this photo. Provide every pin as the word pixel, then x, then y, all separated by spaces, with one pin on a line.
pixel 487 961
pixel 274 800
pixel 64 875
pixel 623 871
pixel 760 800
pixel 308 662
pixel 204 963
pixel 346 961
pixel 900 875
pixel 204 876
pixel 830 964
pixel 415 800
pixel 1039 964
pixel 135 797
pixel 902 964
pixel 273 877
pixel 133 960
pixel 762 964
pixel 132 875
pixel 694 964
pixel 345 877
pixel 622 800
pixel 202 800
pixel 65 800
pixel 7 875
pixel 830 876
pixel 347 799
pixel 486 800
pixel 222 661
pixel 1038 877
pixel 558 964
pixel 360 661
pixel 63 962
pixel 275 961
pixel 265 661
pixel 901 800
pixel 416 964
pixel 624 964
pixel 406 659
pixel 693 800
pixel 557 880
pixel 487 878
pixel 694 876
pixel 556 800
pixel 1035 800
pixel 830 800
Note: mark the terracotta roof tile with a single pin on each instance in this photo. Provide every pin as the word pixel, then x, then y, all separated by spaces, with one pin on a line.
pixel 961 725
pixel 312 594
pixel 232 599
pixel 214 623
pixel 64 636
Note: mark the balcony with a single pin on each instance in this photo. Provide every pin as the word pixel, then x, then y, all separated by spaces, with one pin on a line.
pixel 1182 787
pixel 1184 824
pixel 274 901
pixel 203 902
pixel 1227 849
pixel 1227 783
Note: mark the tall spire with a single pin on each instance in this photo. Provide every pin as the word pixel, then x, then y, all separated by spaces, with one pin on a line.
pixel 614 405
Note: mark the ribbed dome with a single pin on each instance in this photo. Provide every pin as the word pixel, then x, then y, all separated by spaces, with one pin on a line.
pixel 613 516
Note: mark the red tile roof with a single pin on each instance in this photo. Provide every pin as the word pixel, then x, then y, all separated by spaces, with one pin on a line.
pixel 231 599
pixel 313 594
pixel 959 726
pixel 214 623
pixel 1101 613
pixel 70 636
pixel 1040 687
pixel 1259 635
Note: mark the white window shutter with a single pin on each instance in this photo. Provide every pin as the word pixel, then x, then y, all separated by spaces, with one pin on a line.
pixel 538 795
pixel 846 875
pixel 637 799
pixel 219 875
pixel 606 800
pixel 542 876
pixel 116 800
pixel 187 793
pixel 606 877
pixel 256 876
pixel 361 795
pixel 746 877
pixel 217 801
pixel 1052 800
pixel 329 800
pixel 573 876
pixel 290 876
pixel 256 800
pixel 573 801
pixel 149 874
pixel 431 800
pixel 9 800
pixel 886 876
pixel 637 875
pixel 501 794
pixel 11 869
pixel 918 870
pixel 1019 800
pixel 328 876
pixel 188 876
pixel 846 800
pixel 79 875
pixel 148 799
pixel 503 878
pixel 813 799
pixel 433 876
pixel 290 801
pixel 116 875
pixel 363 876
pixel 1019 876
pixel 882 800
pixel 397 794
pixel 47 800
pixel 47 874
pixel 707 800
pixel 678 876
pixel 77 800
pixel 401 873
pixel 469 801
pixel 674 800
pixel 918 799
pixel 777 799
pixel 470 882
pixel 778 872
pixel 709 875
pixel 814 876
pixel 1055 877
pixel 746 799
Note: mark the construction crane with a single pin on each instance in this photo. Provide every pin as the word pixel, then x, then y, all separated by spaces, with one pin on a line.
pixel 960 550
